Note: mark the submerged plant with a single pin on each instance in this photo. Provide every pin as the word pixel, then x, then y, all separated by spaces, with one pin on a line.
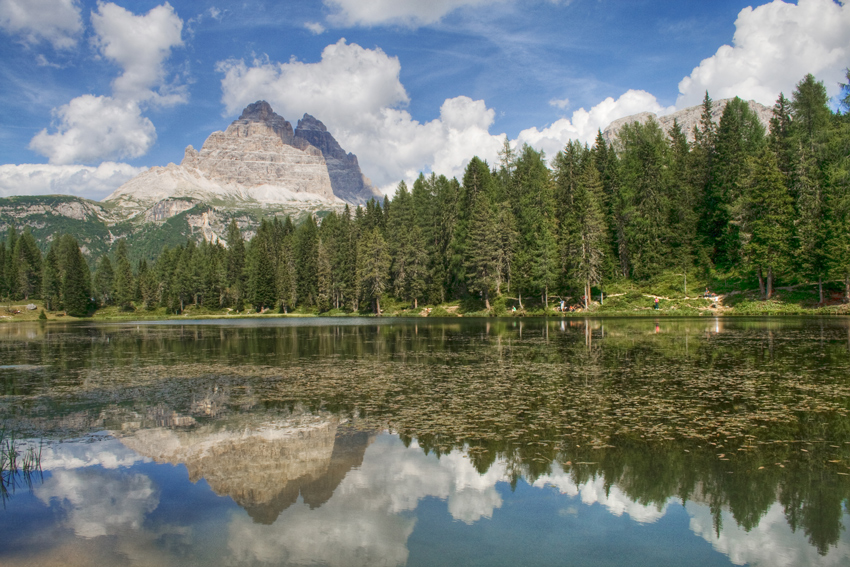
pixel 18 464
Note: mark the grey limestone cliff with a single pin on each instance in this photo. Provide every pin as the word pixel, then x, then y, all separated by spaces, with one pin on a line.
pixel 349 183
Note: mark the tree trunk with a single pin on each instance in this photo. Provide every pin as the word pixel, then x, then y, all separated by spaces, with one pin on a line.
pixel 761 283
pixel 769 282
pixel 378 306
pixel 820 288
pixel 586 295
pixel 487 299
pixel 415 303
pixel 847 287
pixel 520 299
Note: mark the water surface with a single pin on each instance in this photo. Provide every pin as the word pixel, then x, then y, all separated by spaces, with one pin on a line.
pixel 430 442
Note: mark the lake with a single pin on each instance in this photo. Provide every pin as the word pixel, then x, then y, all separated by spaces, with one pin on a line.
pixel 348 442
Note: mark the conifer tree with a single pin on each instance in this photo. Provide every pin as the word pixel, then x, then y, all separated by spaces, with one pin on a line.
pixel 306 241
pixel 11 271
pixel 286 273
pixel 103 280
pixel 767 220
pixel 27 256
pixel 536 259
pixel 324 282
pixel 645 198
pixel 374 265
pixel 75 280
pixel 261 268
pixel 51 283
pixel 124 286
pixel 586 241
pixel 482 259
pixel 235 263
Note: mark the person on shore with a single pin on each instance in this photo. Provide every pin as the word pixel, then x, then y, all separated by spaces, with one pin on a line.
pixel 656 303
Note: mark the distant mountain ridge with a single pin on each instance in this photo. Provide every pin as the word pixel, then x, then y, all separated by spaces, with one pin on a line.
pixel 687 119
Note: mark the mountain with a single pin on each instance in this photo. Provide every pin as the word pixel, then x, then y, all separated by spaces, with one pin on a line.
pixel 258 161
pixel 687 119
pixel 257 168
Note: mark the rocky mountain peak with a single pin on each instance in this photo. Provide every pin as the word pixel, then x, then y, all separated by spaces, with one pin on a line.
pixel 261 111
pixel 309 122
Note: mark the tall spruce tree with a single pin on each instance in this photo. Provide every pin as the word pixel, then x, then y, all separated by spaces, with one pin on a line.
pixel 767 220
pixel 75 280
pixel 373 266
pixel 481 261
pixel 645 198
pixel 585 244
pixel 104 277
pixel 51 283
pixel 124 286
pixel 261 267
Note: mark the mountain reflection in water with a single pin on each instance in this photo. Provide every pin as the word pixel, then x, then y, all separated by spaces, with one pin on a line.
pixel 735 432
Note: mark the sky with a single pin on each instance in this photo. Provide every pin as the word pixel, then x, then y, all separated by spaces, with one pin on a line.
pixel 93 92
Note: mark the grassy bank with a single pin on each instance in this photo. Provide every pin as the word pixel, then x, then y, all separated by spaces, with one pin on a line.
pixel 626 301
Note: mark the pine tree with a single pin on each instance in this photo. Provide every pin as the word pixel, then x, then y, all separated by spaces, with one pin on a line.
pixel 51 283
pixel 481 261
pixel 11 271
pixel 324 282
pixel 586 241
pixel 768 212
pixel 644 198
pixel 262 269
pixel 235 264
pixel 374 265
pixel 306 241
pixel 75 281
pixel 536 259
pixel 124 286
pixel 104 278
pixel 27 256
pixel 286 272
pixel 684 204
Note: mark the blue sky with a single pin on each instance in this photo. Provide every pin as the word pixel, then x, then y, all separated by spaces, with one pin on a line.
pixel 91 93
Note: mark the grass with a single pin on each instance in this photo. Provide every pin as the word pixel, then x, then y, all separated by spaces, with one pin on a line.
pixel 738 295
pixel 18 464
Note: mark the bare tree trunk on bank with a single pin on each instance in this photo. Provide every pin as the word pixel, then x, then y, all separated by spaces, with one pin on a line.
pixel 761 283
pixel 820 288
pixel 378 306
pixel 769 282
pixel 520 301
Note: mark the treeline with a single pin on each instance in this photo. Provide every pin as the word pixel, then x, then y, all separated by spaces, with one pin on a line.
pixel 772 204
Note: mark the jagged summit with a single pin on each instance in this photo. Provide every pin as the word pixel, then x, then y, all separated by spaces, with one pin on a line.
pixel 258 159
pixel 309 122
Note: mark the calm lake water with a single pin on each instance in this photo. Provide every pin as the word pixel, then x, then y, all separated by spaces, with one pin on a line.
pixel 350 442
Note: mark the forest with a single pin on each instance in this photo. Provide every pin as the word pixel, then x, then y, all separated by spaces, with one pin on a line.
pixel 769 204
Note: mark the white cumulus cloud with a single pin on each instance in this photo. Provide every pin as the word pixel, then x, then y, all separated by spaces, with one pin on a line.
pixel 92 128
pixel 775 45
pixel 139 45
pixel 315 27
pixel 357 93
pixel 80 180
pixel 411 13
pixel 55 21
pixel 584 124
